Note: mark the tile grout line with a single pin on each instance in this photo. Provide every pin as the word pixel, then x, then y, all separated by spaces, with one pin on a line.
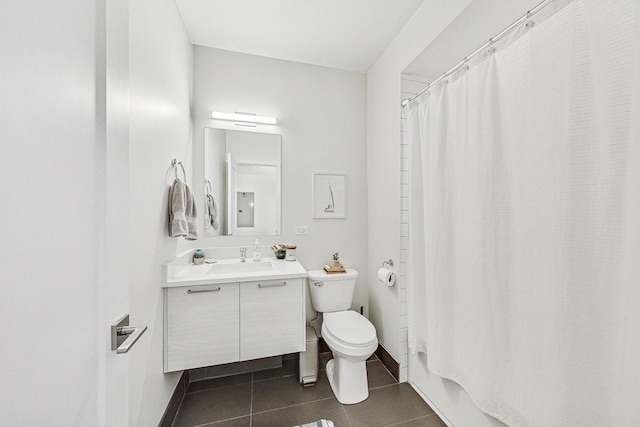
pixel 383 386
pixel 225 419
pixel 217 388
pixel 219 421
pixel 251 403
pixel 294 405
pixel 346 414
pixel 273 378
pixel 412 419
pixel 389 372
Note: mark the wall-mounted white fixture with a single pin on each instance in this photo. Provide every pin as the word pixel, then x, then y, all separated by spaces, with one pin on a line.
pixel 244 118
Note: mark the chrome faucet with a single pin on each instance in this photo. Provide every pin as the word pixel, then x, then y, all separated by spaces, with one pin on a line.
pixel 243 254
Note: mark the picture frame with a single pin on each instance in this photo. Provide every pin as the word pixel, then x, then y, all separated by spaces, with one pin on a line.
pixel 329 195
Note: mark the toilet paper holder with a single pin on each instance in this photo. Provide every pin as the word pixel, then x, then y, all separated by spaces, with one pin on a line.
pixel 386 275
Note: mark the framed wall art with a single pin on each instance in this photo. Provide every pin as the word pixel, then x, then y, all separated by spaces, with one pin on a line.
pixel 329 195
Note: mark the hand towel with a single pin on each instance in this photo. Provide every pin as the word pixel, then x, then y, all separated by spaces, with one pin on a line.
pixel 191 215
pixel 212 207
pixel 177 209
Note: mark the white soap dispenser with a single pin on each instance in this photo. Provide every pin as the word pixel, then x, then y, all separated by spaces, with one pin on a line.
pixel 256 252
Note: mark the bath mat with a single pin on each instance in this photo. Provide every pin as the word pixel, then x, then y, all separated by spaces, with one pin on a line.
pixel 319 423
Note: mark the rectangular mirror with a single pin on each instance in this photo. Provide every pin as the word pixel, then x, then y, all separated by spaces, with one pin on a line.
pixel 242 183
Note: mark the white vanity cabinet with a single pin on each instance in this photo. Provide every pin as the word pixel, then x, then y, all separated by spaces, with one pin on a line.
pixel 271 318
pixel 201 326
pixel 220 323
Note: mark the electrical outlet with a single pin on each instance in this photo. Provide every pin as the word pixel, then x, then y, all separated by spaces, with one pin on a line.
pixel 302 230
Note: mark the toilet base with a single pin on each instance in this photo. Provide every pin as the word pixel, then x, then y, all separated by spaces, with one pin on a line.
pixel 348 379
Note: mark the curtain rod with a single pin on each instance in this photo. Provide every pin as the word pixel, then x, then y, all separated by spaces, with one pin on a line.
pixel 488 44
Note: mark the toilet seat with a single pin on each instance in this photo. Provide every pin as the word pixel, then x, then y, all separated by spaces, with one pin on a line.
pixel 349 329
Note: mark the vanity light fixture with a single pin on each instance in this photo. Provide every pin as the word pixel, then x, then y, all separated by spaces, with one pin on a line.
pixel 244 118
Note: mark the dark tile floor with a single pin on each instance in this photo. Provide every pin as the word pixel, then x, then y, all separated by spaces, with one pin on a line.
pixel 274 398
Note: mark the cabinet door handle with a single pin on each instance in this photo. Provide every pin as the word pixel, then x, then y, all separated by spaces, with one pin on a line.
pixel 199 291
pixel 271 285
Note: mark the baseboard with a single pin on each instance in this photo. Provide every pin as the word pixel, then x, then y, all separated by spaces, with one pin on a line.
pixel 175 401
pixel 389 362
pixel 324 348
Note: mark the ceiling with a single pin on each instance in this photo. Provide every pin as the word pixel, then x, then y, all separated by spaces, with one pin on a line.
pixel 473 27
pixel 343 34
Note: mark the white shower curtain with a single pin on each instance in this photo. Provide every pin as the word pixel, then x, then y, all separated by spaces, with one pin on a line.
pixel 524 260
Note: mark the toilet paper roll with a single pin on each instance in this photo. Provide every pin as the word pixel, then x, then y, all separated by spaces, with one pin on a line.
pixel 387 276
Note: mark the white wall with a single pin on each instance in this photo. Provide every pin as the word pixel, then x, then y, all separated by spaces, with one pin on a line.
pixel 161 59
pixel 383 161
pixel 322 117
pixel 48 222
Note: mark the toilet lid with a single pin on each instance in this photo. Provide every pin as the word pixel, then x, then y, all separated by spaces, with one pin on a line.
pixel 350 327
pixel 323 276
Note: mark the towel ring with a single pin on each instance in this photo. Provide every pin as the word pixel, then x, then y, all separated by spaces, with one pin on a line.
pixel 174 164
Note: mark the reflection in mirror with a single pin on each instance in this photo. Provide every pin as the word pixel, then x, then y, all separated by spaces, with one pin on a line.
pixel 242 183
pixel 245 209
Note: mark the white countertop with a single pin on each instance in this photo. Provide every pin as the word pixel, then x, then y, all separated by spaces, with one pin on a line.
pixel 226 271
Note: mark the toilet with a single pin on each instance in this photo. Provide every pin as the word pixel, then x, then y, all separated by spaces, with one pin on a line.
pixel 350 336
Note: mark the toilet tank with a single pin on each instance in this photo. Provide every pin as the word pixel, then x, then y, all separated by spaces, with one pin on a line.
pixel 332 292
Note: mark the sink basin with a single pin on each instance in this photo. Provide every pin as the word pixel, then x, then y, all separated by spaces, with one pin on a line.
pixel 194 271
pixel 230 270
pixel 240 267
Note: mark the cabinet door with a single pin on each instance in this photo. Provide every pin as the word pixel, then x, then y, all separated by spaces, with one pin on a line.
pixel 271 318
pixel 201 326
